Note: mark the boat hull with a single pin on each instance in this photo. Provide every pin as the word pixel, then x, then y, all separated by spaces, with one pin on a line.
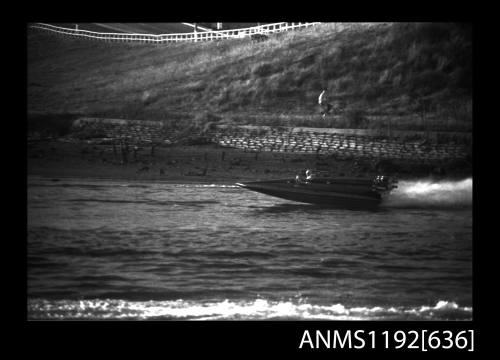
pixel 343 193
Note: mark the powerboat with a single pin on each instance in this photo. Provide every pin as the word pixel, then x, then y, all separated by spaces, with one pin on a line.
pixel 341 192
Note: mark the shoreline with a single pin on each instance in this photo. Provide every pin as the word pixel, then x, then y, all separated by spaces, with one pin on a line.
pixel 200 164
pixel 161 181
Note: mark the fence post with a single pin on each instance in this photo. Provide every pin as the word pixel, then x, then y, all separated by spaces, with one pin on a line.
pixel 226 34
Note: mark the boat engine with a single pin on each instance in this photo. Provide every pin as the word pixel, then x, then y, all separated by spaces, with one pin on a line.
pixel 383 183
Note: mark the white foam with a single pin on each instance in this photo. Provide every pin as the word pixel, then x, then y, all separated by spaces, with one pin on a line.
pixel 246 310
pixel 426 193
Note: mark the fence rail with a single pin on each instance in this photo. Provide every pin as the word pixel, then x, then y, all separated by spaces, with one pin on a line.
pixel 167 38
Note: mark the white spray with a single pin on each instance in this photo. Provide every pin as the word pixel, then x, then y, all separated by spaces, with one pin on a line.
pixel 428 193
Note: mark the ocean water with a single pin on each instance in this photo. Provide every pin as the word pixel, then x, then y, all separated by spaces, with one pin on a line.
pixel 108 249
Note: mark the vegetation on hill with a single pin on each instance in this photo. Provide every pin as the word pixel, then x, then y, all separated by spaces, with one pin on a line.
pixel 403 75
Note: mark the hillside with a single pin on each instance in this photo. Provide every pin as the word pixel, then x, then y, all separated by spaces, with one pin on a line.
pixel 408 76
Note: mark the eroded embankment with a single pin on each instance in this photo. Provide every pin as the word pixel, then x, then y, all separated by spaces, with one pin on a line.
pixel 341 143
pixel 149 150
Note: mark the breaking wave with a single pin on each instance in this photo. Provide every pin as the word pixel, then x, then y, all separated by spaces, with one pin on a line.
pixel 426 193
pixel 259 309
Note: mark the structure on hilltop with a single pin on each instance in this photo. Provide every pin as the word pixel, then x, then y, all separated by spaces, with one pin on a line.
pixel 140 34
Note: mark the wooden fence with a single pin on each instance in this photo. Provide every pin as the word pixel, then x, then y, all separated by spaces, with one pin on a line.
pixel 168 38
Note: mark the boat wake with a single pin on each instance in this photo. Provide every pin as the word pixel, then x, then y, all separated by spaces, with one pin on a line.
pixel 259 309
pixel 426 193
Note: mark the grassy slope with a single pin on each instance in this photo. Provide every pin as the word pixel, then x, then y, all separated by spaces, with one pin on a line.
pixel 414 74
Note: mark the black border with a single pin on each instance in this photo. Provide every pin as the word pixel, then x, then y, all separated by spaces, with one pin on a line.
pixel 240 338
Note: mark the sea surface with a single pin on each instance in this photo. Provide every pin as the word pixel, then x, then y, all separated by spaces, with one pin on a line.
pixel 109 249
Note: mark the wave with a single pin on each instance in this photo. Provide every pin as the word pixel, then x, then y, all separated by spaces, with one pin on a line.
pixel 67 185
pixel 426 193
pixel 206 185
pixel 147 202
pixel 97 183
pixel 259 309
